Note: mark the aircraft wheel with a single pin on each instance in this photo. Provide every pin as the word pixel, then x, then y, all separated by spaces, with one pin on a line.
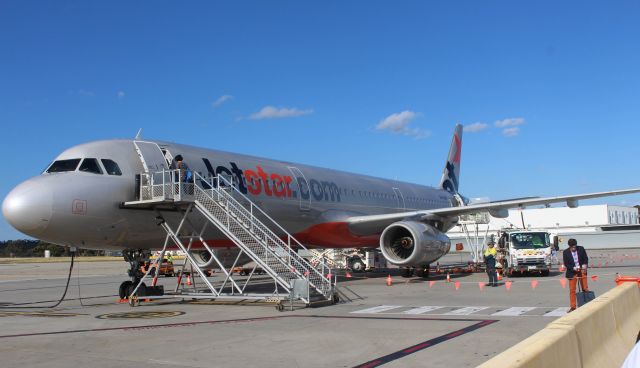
pixel 406 272
pixel 422 272
pixel 124 289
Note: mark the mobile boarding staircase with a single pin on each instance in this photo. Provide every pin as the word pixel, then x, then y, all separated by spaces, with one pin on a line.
pixel 205 201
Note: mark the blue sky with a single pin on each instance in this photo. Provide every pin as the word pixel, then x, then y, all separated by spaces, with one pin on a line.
pixel 375 87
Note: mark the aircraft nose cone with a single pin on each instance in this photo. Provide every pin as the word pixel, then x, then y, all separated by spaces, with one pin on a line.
pixel 28 208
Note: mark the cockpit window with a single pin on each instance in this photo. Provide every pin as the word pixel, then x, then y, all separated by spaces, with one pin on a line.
pixel 111 167
pixel 64 165
pixel 90 165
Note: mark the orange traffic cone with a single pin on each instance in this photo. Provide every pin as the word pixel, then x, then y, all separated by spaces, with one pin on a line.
pixel 563 282
pixel 508 285
pixel 389 281
pixel 448 277
pixel 481 285
pixel 189 283
pixel 347 275
pixel 499 277
pixel 534 284
pixel 457 285
pixel 431 283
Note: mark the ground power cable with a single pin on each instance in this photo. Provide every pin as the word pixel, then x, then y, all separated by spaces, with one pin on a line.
pixel 64 294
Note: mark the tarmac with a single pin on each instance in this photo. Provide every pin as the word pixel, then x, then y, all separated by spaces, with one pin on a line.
pixel 413 323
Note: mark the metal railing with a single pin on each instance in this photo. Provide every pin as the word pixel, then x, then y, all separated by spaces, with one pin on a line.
pixel 215 198
pixel 274 251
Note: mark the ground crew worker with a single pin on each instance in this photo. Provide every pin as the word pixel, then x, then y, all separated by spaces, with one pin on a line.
pixel 490 262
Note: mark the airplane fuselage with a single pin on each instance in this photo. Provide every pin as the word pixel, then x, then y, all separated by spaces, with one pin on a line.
pixel 84 208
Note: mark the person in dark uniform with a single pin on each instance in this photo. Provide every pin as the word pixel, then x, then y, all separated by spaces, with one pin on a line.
pixel 575 261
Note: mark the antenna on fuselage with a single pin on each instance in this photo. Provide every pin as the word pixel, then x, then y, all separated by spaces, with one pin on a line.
pixel 139 135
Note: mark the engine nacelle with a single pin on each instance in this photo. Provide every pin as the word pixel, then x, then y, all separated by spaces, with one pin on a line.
pixel 203 258
pixel 412 243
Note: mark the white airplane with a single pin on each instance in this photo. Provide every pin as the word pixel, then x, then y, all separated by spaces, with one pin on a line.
pixel 78 201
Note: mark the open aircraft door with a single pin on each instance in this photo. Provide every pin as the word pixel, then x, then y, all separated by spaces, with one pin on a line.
pixel 151 156
pixel 153 161
pixel 304 191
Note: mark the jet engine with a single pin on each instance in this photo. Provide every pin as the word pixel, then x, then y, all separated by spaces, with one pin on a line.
pixel 413 243
pixel 203 259
pixel 227 256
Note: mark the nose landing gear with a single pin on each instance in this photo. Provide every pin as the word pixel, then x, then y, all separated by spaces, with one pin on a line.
pixel 136 259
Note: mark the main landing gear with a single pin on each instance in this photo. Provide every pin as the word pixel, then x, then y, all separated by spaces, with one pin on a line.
pixel 422 271
pixel 136 259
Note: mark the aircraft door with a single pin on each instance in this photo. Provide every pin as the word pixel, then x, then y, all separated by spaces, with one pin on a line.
pixel 399 197
pixel 151 156
pixel 304 192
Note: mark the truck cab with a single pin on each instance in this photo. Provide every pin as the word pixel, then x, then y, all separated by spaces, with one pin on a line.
pixel 525 251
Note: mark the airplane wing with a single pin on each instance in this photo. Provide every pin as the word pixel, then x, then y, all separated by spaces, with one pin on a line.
pixel 372 224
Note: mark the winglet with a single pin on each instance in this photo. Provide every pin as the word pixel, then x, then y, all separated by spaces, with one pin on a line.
pixel 139 135
pixel 451 174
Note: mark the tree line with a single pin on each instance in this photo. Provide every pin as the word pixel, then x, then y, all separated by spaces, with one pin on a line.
pixel 36 248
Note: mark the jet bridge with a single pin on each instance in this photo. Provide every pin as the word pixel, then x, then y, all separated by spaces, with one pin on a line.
pixel 215 201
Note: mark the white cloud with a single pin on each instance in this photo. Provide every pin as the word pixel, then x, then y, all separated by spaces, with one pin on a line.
pixel 475 127
pixel 222 99
pixel 398 123
pixel 270 112
pixel 511 132
pixel 120 94
pixel 511 122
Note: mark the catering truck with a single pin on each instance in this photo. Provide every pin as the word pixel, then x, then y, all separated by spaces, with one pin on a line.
pixel 525 251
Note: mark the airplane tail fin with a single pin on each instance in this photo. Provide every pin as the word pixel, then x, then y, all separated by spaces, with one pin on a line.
pixel 451 173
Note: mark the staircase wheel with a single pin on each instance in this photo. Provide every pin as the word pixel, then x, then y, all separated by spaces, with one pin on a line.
pixel 336 298
pixel 134 301
pixel 280 307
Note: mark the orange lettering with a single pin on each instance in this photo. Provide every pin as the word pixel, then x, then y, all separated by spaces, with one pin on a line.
pixel 253 183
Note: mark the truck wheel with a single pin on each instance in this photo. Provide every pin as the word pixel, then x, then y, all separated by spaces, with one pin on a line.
pixel 357 265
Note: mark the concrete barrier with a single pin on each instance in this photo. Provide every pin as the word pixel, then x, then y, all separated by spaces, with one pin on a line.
pixel 599 334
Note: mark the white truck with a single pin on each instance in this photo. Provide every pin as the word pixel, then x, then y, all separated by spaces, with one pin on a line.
pixel 525 251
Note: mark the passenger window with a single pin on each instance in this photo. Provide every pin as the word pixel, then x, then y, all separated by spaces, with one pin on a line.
pixel 64 165
pixel 90 165
pixel 111 167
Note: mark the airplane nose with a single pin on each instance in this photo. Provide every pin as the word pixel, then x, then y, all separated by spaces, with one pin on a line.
pixel 28 208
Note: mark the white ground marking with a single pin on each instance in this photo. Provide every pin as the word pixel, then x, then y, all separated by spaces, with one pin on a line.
pixel 464 311
pixel 558 312
pixel 421 310
pixel 378 309
pixel 514 311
